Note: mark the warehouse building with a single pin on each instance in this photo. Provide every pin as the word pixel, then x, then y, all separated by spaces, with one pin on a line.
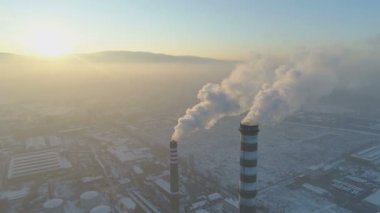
pixel 35 163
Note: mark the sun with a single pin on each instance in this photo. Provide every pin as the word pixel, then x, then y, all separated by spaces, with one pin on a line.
pixel 49 42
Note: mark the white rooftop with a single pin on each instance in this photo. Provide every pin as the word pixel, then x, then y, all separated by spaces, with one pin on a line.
pixel 36 162
pixel 35 143
pixel 124 154
pixel 315 189
pixel 89 195
pixel 53 203
pixel 101 209
pixel 232 202
pixel 198 204
pixel 137 170
pixel 374 198
pixel 214 196
pixel 124 180
pixel 201 211
pixel 163 184
pixel 128 203
pixel 14 195
pixel 91 178
pixel 369 154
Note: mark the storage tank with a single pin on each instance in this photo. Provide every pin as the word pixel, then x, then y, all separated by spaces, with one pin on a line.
pixel 101 209
pixel 128 204
pixel 89 199
pixel 54 206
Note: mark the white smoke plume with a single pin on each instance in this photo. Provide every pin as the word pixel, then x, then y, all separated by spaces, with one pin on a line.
pixel 292 89
pixel 232 96
pixel 272 88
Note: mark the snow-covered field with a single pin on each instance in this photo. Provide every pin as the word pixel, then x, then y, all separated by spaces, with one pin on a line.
pixel 284 150
pixel 281 199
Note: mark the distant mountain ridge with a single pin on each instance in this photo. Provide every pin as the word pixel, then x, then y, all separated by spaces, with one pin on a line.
pixel 123 57
pixel 130 56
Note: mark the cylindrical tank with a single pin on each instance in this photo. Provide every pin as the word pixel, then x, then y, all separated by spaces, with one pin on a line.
pixel 89 199
pixel 54 206
pixel 248 172
pixel 101 209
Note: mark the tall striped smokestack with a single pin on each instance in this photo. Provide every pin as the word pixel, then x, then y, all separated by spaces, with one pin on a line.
pixel 174 185
pixel 248 162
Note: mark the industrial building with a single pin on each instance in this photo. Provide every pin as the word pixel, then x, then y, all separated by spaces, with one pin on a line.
pixel 33 163
pixel 373 201
pixel 163 185
pixel 369 155
pixel 214 203
pixel 143 202
pixel 346 187
pixel 315 189
pixel 124 154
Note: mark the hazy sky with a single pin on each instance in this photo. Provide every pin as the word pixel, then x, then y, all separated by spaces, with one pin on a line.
pixel 215 28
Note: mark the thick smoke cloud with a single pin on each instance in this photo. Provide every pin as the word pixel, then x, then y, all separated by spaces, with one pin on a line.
pixel 292 89
pixel 232 96
pixel 271 88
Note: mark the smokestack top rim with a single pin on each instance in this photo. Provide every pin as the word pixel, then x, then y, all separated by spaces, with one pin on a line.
pixel 173 144
pixel 247 129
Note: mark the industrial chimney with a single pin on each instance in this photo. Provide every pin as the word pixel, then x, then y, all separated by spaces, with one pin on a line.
pixel 248 162
pixel 174 185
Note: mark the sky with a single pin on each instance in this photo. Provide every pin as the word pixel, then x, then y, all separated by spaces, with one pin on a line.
pixel 212 28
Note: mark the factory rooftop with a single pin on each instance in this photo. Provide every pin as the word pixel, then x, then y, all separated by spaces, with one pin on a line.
pixel 163 185
pixel 125 154
pixel 32 163
pixel 370 155
pixel 374 199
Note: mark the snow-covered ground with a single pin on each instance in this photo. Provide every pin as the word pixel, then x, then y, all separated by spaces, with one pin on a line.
pixel 284 150
pixel 281 199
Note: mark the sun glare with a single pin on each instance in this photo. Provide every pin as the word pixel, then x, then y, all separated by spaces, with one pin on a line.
pixel 49 42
